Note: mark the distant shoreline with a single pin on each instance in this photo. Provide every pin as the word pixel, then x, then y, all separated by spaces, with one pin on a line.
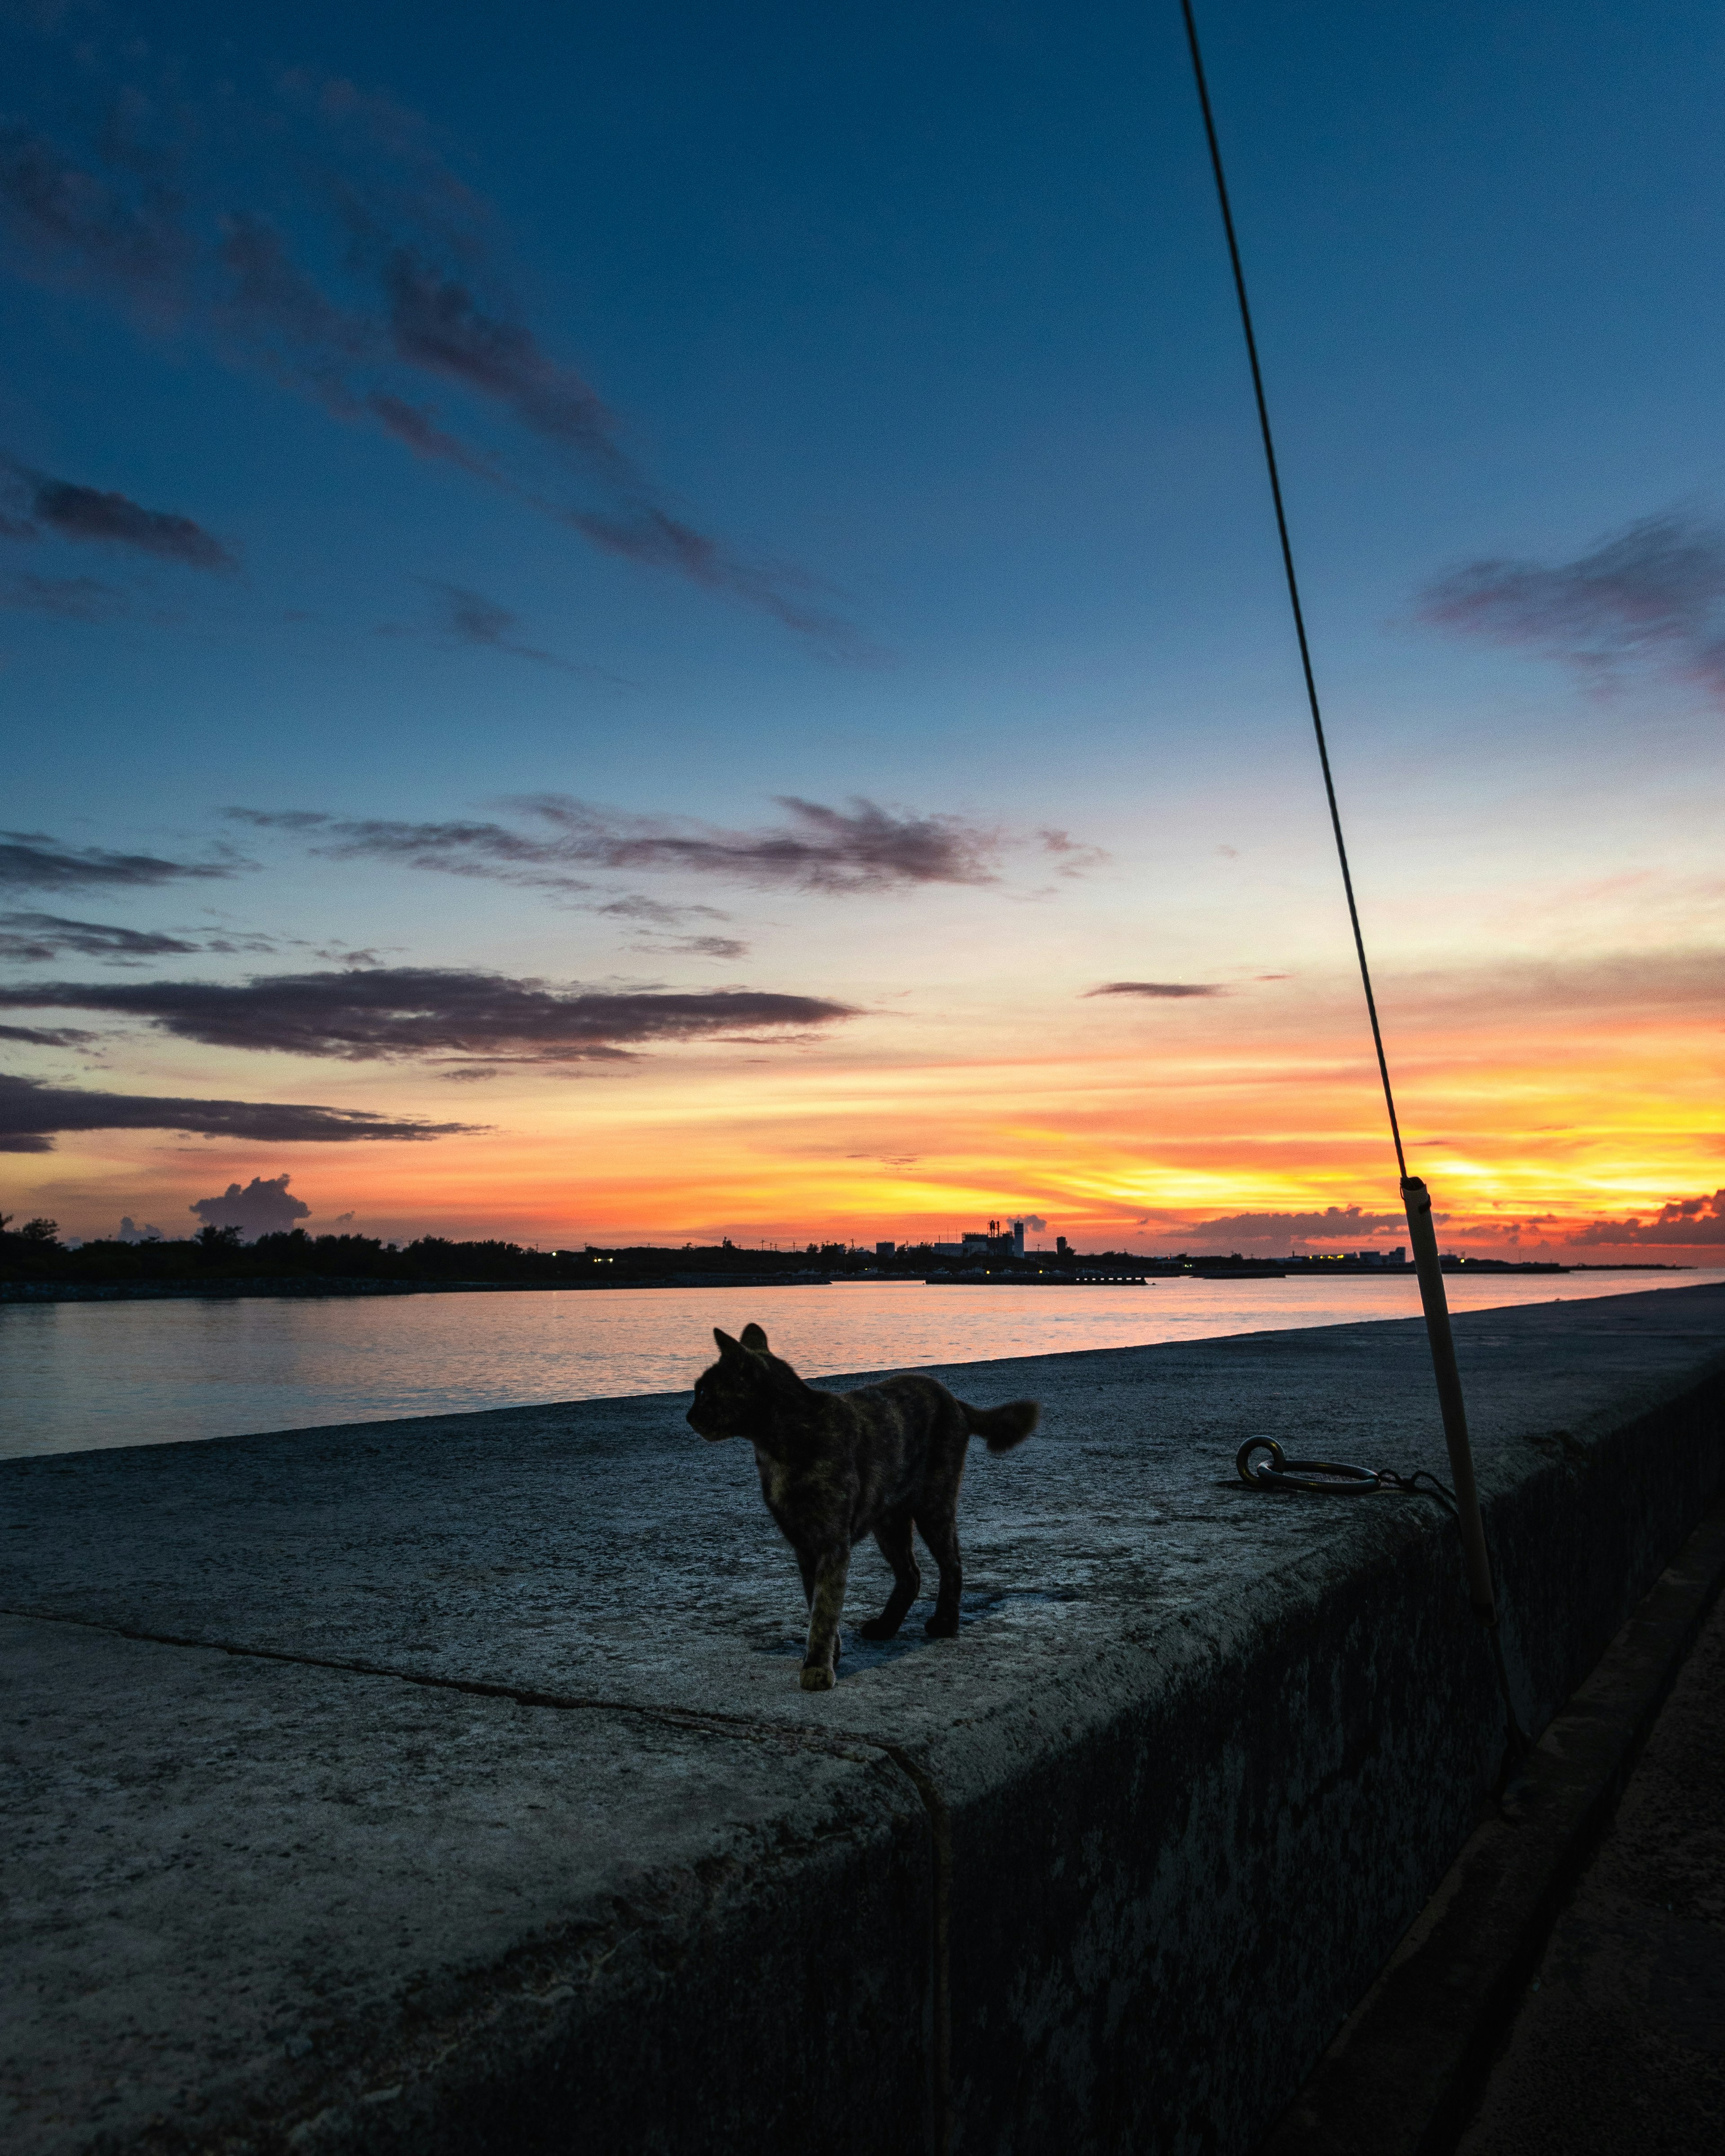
pixel 313 1287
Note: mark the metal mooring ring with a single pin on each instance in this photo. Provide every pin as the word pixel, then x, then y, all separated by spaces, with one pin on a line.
pixel 1329 1478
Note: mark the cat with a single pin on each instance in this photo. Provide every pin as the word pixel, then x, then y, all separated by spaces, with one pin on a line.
pixel 836 1466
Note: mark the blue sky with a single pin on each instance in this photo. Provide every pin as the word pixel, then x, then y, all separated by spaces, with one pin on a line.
pixel 917 324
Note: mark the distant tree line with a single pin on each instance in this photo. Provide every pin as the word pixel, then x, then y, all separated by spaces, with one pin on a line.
pixel 34 1252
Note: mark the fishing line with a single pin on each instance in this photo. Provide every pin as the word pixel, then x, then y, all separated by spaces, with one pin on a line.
pixel 1287 564
pixel 1331 1478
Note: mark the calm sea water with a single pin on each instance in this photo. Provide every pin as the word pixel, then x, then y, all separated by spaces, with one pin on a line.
pixel 78 1376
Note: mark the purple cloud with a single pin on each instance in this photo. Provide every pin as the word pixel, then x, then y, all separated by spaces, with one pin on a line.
pixel 863 847
pixel 32 1114
pixel 1686 1222
pixel 88 513
pixel 263 1208
pixel 461 616
pixel 1653 597
pixel 389 1011
pixel 34 938
pixel 33 860
pixel 860 848
pixel 1168 991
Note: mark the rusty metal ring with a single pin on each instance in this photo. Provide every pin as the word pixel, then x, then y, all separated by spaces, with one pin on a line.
pixel 1328 1478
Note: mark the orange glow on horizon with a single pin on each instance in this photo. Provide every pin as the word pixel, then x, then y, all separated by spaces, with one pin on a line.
pixel 1530 1124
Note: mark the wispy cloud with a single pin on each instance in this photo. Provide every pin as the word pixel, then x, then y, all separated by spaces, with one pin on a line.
pixel 382 298
pixel 73 511
pixel 1334 1221
pixel 32 1114
pixel 653 912
pixel 1169 991
pixel 426 1011
pixel 1076 859
pixel 67 598
pixel 1280 1233
pixel 462 617
pixel 48 1036
pixel 858 849
pixel 33 938
pixel 33 860
pixel 461 846
pixel 700 946
pixel 1686 1222
pixel 1653 597
pixel 650 535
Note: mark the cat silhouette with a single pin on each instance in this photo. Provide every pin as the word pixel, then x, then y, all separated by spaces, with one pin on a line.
pixel 836 1466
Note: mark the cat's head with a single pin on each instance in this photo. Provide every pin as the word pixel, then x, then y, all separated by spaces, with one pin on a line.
pixel 732 1395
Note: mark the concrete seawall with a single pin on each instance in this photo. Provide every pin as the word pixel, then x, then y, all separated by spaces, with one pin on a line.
pixel 446 1786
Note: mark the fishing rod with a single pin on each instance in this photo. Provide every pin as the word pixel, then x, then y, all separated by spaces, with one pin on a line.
pixel 1416 1198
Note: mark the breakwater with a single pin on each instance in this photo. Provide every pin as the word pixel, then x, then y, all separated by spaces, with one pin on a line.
pixel 446 1785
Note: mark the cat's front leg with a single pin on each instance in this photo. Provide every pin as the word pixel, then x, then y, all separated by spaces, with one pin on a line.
pixel 826 1607
pixel 806 1566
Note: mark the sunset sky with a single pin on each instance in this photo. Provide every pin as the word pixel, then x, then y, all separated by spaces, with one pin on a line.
pixel 640 624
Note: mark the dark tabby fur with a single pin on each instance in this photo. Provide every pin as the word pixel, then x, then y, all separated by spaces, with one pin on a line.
pixel 836 1466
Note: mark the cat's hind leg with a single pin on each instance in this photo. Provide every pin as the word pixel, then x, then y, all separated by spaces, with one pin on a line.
pixel 893 1536
pixel 940 1534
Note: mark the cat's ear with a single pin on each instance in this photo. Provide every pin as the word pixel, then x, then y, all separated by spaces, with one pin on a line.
pixel 753 1337
pixel 727 1346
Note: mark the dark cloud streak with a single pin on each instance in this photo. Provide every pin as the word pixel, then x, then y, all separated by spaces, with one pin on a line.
pixel 32 1114
pixel 32 860
pixel 48 1036
pixel 1686 1222
pixel 424 1011
pixel 66 598
pixel 1653 597
pixel 641 532
pixel 87 513
pixel 858 849
pixel 1168 991
pixel 469 617
pixel 437 323
pixel 34 938
pixel 84 512
pixel 862 848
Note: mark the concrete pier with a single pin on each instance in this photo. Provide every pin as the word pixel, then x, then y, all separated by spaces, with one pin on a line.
pixel 446 1785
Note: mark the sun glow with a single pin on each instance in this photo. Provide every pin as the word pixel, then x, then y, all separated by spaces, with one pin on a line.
pixel 1531 1121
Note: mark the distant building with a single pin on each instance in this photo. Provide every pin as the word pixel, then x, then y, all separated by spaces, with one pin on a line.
pixel 992 1242
pixel 885 1250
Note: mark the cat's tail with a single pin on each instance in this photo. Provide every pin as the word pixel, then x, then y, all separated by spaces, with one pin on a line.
pixel 1003 1427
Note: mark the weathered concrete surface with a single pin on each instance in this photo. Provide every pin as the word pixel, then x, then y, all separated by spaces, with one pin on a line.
pixel 1198 1758
pixel 240 1892
pixel 1620 2044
